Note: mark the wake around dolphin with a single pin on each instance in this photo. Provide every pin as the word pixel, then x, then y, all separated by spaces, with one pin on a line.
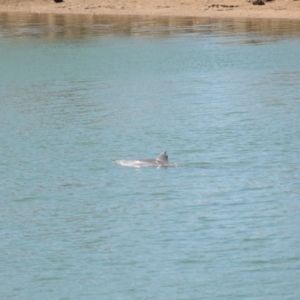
pixel 160 161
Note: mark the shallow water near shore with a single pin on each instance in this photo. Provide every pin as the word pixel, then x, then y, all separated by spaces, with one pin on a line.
pixel 220 96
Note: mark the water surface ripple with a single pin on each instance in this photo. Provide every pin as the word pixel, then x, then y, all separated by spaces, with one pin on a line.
pixel 220 96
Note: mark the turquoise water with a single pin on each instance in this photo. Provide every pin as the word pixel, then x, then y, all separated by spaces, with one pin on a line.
pixel 220 96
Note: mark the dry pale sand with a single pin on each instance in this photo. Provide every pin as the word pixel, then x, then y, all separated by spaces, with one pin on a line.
pixel 289 9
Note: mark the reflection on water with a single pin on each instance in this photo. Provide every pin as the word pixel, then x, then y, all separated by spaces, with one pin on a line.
pixel 82 26
pixel 221 94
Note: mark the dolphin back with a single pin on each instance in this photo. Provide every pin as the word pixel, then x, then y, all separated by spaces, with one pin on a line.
pixel 160 161
pixel 163 157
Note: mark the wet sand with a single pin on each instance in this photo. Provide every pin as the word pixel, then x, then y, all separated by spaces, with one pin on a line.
pixel 283 9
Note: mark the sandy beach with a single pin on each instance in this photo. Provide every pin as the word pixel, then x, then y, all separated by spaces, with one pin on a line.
pixel 283 9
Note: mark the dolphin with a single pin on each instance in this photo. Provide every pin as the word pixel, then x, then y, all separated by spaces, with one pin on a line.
pixel 160 161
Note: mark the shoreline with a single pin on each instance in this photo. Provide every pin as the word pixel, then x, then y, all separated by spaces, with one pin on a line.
pixel 239 9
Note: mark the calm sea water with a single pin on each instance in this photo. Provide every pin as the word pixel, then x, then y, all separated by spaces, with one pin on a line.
pixel 220 96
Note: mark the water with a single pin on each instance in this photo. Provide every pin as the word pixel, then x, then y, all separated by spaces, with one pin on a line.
pixel 220 96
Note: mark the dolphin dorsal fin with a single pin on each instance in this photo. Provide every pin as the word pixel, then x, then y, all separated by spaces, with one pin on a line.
pixel 163 157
